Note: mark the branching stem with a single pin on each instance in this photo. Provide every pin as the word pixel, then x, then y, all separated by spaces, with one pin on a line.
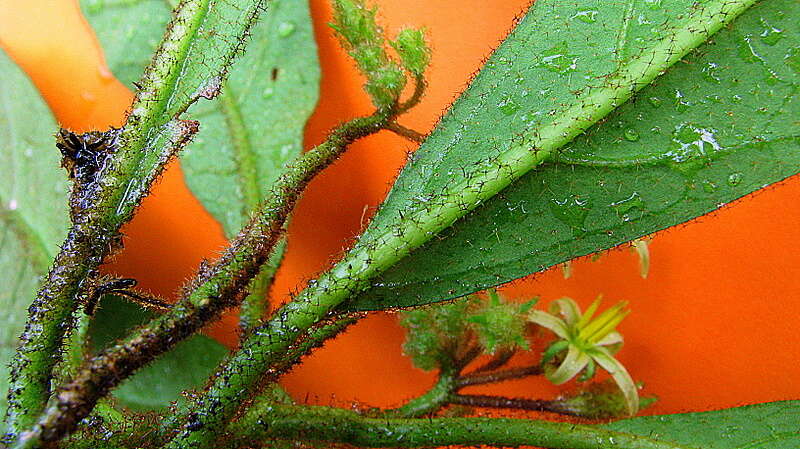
pixel 332 425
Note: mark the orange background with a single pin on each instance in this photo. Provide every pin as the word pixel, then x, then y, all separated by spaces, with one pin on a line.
pixel 713 326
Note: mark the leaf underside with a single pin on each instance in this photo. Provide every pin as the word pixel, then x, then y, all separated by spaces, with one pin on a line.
pixel 33 204
pixel 247 135
pixel 761 426
pixel 716 126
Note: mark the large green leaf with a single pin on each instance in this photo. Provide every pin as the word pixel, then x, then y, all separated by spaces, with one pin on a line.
pixel 256 126
pixel 33 204
pixel 716 126
pixel 762 426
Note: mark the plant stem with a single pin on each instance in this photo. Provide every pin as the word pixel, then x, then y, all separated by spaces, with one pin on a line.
pixel 483 377
pixel 385 247
pixel 431 401
pixel 255 305
pixel 215 289
pixel 408 133
pixel 331 425
pixel 479 400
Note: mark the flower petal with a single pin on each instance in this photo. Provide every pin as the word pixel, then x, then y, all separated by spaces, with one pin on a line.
pixel 554 323
pixel 587 315
pixel 621 377
pixel 568 308
pixel 610 339
pixel 575 361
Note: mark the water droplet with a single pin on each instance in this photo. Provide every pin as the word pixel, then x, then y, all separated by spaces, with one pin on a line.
pixel 692 147
pixel 625 205
pixel 557 59
pixel 571 211
pixel 735 178
pixel 709 187
pixel 631 135
pixel 793 59
pixel 771 35
pixel 653 4
pixel 88 96
pixel 710 72
pixel 681 105
pixel 268 92
pixel 508 106
pixel 654 101
pixel 736 99
pixel 588 16
pixel 285 29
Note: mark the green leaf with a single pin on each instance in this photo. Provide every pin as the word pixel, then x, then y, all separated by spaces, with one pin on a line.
pixel 716 126
pixel 158 385
pixel 33 204
pixel 203 39
pixel 763 426
pixel 128 31
pixel 256 126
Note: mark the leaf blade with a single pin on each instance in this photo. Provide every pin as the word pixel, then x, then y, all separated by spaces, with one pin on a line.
pixel 541 219
pixel 33 200
pixel 764 426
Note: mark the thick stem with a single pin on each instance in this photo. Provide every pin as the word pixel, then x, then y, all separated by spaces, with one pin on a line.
pixel 49 319
pixel 216 288
pixel 330 425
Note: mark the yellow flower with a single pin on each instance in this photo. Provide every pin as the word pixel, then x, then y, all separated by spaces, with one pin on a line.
pixel 587 342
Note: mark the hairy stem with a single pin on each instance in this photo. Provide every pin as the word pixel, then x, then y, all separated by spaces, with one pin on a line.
pixel 483 377
pixel 215 289
pixel 434 399
pixel 331 425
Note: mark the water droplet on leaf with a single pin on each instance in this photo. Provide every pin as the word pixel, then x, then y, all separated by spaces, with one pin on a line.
pixel 735 178
pixel 285 29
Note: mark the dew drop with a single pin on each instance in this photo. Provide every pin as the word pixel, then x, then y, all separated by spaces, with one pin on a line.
pixel 557 59
pixel 793 59
pixel 508 106
pixel 268 92
pixel 588 16
pixel 631 135
pixel 633 201
pixel 709 187
pixel 710 72
pixel 734 179
pixel 285 29
pixel 571 211
pixel 654 101
pixel 771 36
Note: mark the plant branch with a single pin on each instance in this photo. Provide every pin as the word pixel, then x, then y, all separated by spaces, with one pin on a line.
pixel 408 133
pixel 216 288
pixel 478 400
pixel 484 377
pixel 381 248
pixel 434 399
pixel 331 425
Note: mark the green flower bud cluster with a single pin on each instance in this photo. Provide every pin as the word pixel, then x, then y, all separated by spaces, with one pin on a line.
pixel 440 334
pixel 364 40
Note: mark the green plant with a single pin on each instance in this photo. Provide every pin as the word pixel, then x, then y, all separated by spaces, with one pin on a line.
pixel 530 169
